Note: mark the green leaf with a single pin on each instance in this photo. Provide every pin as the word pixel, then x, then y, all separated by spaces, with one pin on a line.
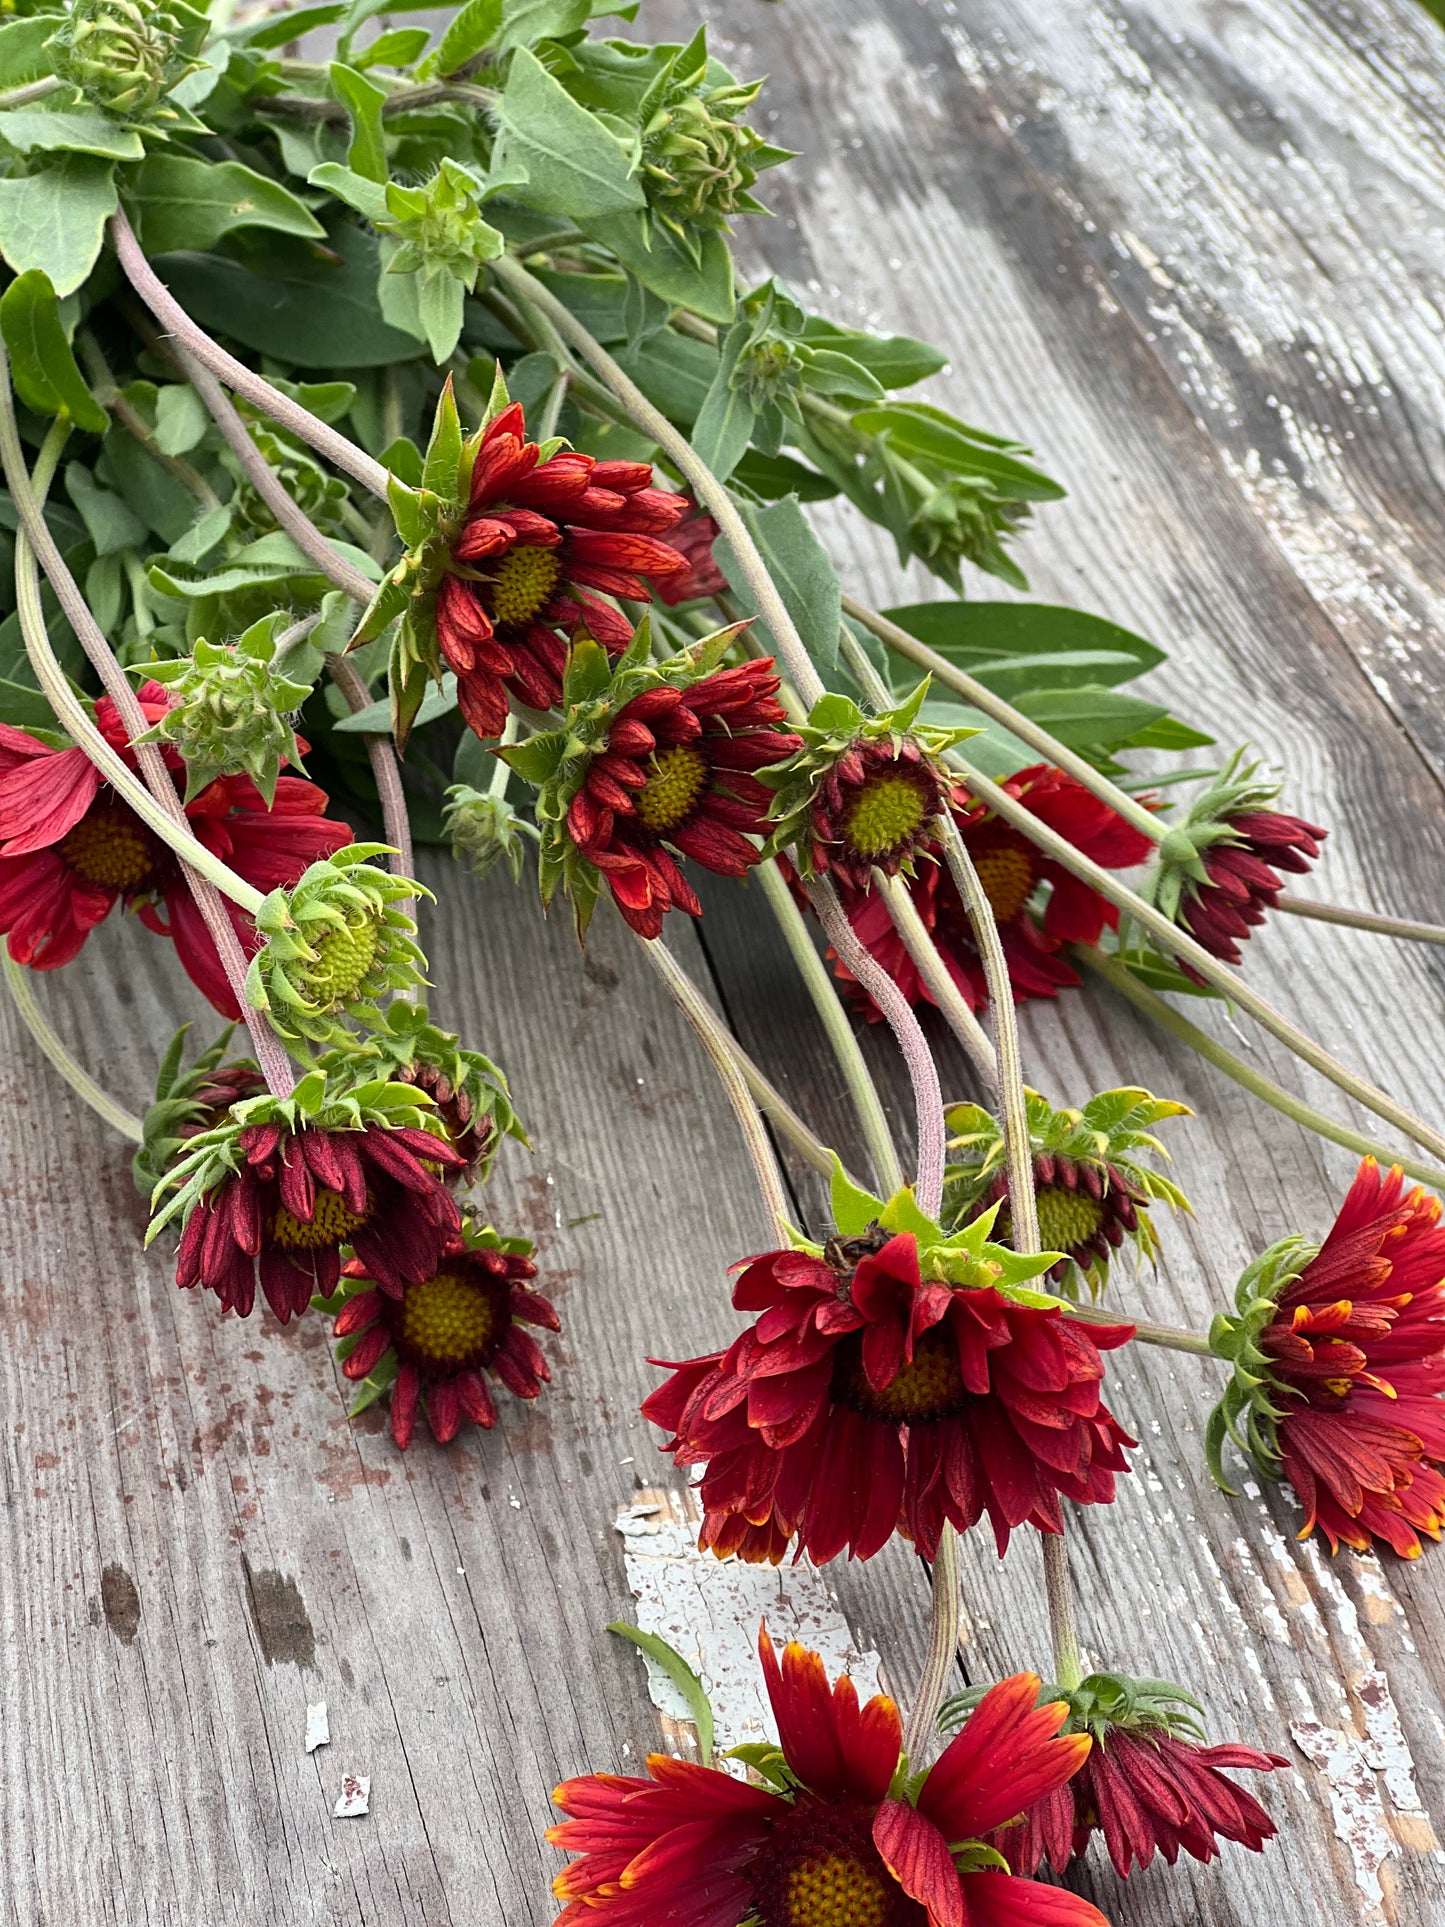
pixel 662 263
pixel 799 566
pixel 918 429
pixel 181 419
pixel 362 100
pixel 55 218
pixel 773 475
pixel 682 1676
pixel 110 523
pixel 366 196
pixel 725 422
pixel 179 202
pixel 994 640
pixel 76 130
pixel 46 375
pixel 376 720
pixel 895 361
pixel 471 32
pixel 525 22
pixel 398 48
pixel 440 300
pixel 571 164
pixel 853 1208
pixel 23 53
pixel 291 26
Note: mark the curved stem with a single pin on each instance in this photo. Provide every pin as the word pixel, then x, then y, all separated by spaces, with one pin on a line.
pixel 928 962
pixel 1112 971
pixel 942 1650
pixel 387 773
pixel 718 1045
pixel 1013 720
pixel 706 486
pixel 1181 944
pixel 173 318
pixel 1401 927
pixel 887 1171
pixel 1058 1589
pixel 898 1013
pixel 79 1080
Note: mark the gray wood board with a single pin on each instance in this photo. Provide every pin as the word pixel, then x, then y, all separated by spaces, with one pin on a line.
pixel 1192 253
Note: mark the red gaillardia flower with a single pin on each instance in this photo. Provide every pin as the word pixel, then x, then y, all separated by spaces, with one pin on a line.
pixel 284 1184
pixel 70 849
pixel 1339 1357
pixel 1148 1785
pixel 693 539
pixel 1011 869
pixel 893 1380
pixel 1218 871
pixel 824 1843
pixel 654 761
pixel 443 1336
pixel 539 536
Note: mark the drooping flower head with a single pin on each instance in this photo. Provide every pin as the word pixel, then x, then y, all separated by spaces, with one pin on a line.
pixel 1218 870
pixel 190 1101
pixel 1012 871
pixel 446 1335
pixel 510 547
pixel 839 1836
pixel 655 761
pixel 1149 1783
pixel 894 1379
pixel 470 1098
pixel 283 1186
pixel 863 792
pixel 333 945
pixel 70 849
pixel 1092 1182
pixel 1339 1365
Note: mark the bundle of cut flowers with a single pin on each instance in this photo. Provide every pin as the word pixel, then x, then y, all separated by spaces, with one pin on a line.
pixel 395 454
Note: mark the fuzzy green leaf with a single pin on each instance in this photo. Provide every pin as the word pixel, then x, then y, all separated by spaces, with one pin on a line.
pixel 55 218
pixel 45 372
pixel 853 1208
pixel 572 164
pixel 682 1676
pixel 799 565
pixel 471 32
pixel 75 130
pixel 179 202
pixel 362 100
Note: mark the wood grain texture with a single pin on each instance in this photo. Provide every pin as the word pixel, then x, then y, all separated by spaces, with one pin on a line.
pixel 1192 252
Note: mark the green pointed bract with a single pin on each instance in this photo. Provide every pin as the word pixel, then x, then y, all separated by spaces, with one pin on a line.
pixel 1179 870
pixel 319 496
pixel 126 55
pixel 230 709
pixel 176 1105
pixel 835 725
pixel 967 1259
pixel 486 830
pixel 428 521
pixel 333 945
pixel 1103 1702
pixel 438 226
pixel 1254 1401
pixel 555 763
pixel 1112 1133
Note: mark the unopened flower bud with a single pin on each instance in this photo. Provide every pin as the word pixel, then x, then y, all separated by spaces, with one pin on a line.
pixel 485 830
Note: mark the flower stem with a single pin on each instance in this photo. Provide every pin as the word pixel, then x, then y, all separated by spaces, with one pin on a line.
pixel 928 962
pixel 497 788
pixel 1058 1589
pixel 887 1171
pixel 942 1650
pixel 79 1080
pixel 31 91
pixel 706 486
pixel 1362 920
pixel 1114 972
pixel 1173 1338
pixel 1012 719
pixel 718 1045
pixel 290 414
pixel 770 1100
pixel 1183 945
pixel 898 1013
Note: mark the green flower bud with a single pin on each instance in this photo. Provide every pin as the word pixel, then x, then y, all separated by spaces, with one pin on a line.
pixel 318 495
pixel 334 945
pixel 439 227
pixel 229 711
pixel 124 55
pixel 485 830
pixel 698 158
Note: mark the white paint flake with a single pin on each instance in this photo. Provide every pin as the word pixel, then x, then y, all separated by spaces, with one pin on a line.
pixel 318 1730
pixel 355 1797
pixel 709 1610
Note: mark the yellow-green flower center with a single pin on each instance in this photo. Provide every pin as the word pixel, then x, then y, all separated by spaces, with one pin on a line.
pixel 929 1387
pixel 1067 1219
pixel 343 957
pixel 110 848
pixel 676 778
pixel 332 1223
pixel 835 1891
pixel 1007 875
pixel 448 1323
pixel 521 584
pixel 886 813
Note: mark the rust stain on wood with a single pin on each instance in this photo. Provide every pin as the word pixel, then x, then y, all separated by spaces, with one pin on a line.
pixel 120 1602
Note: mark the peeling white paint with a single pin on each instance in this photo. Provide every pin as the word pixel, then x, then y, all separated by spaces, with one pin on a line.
pixel 710 1610
pixel 318 1730
pixel 1359 1819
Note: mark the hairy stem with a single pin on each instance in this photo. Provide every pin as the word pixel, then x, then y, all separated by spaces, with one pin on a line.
pixel 898 1014
pixel 708 489
pixel 818 979
pixel 1181 944
pixel 942 1651
pixel 785 1120
pixel 33 90
pixel 1058 1589
pixel 1173 1338
pixel 1362 920
pixel 79 1079
pixel 927 960
pixel 719 1047
pixel 290 414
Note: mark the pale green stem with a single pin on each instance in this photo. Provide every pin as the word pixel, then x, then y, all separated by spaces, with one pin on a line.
pixel 1362 920
pixel 719 1047
pixel 33 90
pixel 934 972
pixel 1114 972
pixel 1181 944
pixel 1058 1589
pixel 497 788
pixel 705 485
pixel 1173 1338
pixel 552 407
pixel 942 1651
pixel 1049 747
pixel 818 979
pixel 809 1146
pixel 79 1080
